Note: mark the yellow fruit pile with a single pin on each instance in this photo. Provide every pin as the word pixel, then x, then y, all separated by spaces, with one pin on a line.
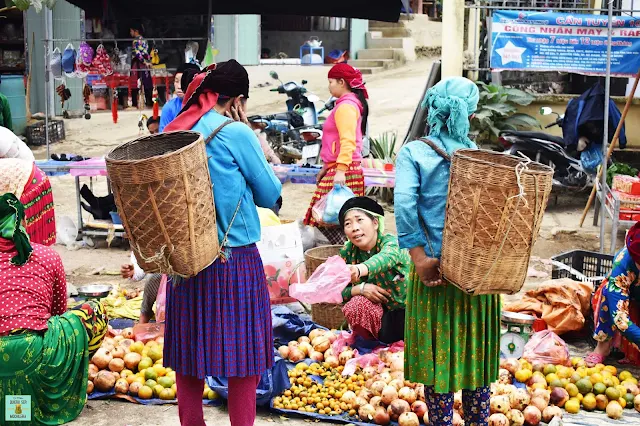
pixel 135 369
pixel 573 388
pixel 335 396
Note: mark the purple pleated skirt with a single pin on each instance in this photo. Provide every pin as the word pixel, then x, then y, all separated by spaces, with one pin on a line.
pixel 218 323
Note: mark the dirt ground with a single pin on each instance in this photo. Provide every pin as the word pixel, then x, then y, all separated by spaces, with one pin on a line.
pixel 393 98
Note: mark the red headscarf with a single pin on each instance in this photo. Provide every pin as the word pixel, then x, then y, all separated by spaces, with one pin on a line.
pixel 633 242
pixel 351 75
pixel 226 78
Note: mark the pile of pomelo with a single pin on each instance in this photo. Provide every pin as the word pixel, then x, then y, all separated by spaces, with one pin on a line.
pixel 572 388
pixel 127 367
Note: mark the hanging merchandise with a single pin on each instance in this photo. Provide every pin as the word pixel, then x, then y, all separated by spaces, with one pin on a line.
pixel 49 3
pixel 209 56
pixel 156 107
pixel 82 70
pixel 114 106
pixel 101 62
pixel 55 63
pixel 69 60
pixel 86 53
pixel 64 93
pixel 155 58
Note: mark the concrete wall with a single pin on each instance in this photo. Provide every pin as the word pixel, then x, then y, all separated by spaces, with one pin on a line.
pixel 248 43
pixel 425 32
pixel 559 104
pixel 359 29
pixel 289 42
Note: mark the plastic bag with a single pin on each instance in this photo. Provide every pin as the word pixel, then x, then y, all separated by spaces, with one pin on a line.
pixel 147 332
pixel 344 339
pixel 335 200
pixel 547 347
pixel 591 158
pixel 317 211
pixel 325 285
pixel 161 299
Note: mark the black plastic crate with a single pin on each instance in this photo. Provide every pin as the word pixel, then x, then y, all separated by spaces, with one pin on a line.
pixel 589 263
pixel 36 135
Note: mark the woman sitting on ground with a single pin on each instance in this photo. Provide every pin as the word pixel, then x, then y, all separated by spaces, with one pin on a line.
pixel 44 350
pixel 611 302
pixel 375 302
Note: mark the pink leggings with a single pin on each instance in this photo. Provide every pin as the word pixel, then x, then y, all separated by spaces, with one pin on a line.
pixel 242 400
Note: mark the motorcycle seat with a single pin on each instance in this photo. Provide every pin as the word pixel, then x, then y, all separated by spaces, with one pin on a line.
pixel 534 135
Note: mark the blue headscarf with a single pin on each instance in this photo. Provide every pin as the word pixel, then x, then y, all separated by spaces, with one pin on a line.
pixel 450 104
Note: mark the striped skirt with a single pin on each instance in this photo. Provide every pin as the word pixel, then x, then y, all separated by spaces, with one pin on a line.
pixel 37 198
pixel 355 181
pixel 218 323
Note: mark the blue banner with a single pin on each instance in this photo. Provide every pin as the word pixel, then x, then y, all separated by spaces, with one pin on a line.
pixel 544 41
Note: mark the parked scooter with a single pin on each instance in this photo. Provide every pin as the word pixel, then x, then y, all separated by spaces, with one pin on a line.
pixel 574 169
pixel 294 135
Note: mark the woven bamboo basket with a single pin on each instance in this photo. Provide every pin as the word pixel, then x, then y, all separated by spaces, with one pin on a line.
pixel 326 314
pixel 494 212
pixel 162 188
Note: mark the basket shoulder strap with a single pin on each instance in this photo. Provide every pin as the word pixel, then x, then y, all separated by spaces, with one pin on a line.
pixel 217 130
pixel 436 148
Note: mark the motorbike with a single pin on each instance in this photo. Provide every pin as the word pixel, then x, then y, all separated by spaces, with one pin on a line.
pixel 296 134
pixel 573 168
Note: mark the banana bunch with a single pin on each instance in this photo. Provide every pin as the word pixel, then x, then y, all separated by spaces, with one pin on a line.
pixel 119 306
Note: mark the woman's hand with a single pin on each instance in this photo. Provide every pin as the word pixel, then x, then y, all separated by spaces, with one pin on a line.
pixel 376 294
pixel 126 271
pixel 428 269
pixel 355 273
pixel 321 173
pixel 237 113
pixel 358 271
pixel 340 178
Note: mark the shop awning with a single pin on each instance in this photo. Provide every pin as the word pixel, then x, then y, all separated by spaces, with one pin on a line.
pixel 379 10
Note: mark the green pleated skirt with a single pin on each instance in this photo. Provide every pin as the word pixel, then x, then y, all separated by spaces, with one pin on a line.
pixel 452 339
pixel 52 368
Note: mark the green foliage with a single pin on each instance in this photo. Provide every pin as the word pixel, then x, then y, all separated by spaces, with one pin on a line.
pixel 620 169
pixel 497 111
pixel 383 148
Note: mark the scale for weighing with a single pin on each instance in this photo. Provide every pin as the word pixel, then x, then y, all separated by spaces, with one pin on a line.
pixel 515 333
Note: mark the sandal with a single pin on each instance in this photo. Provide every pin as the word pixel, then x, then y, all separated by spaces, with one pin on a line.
pixel 593 358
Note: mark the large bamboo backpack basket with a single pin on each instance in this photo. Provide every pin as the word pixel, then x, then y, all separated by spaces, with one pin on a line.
pixel 494 212
pixel 326 314
pixel 163 191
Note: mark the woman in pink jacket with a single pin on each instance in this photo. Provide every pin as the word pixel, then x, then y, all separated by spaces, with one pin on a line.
pixel 342 142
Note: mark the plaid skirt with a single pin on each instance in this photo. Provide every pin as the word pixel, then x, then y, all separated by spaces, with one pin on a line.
pixel 218 323
pixel 355 181
pixel 37 198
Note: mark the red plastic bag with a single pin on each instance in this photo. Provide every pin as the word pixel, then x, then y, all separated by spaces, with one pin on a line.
pixel 547 347
pixel 325 285
pixel 161 300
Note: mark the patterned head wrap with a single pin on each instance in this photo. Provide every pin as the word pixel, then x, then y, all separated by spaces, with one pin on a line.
pixel 228 79
pixel 366 205
pixel 633 242
pixel 450 104
pixel 351 75
pixel 11 217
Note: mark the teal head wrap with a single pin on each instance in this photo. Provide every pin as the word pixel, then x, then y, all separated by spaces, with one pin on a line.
pixel 11 217
pixel 450 104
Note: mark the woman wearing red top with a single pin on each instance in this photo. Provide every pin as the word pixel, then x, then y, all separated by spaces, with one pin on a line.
pixel 44 350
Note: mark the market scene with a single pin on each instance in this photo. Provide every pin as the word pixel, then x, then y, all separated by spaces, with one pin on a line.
pixel 409 212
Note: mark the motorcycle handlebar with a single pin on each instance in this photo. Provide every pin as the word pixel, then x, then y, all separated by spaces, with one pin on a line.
pixel 558 122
